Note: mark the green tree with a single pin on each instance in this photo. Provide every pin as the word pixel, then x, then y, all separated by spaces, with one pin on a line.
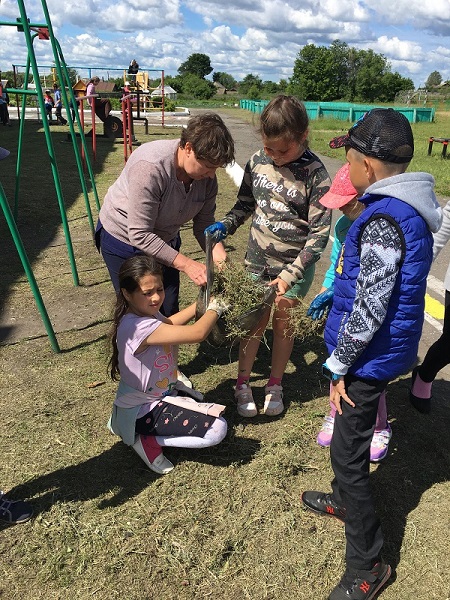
pixel 392 84
pixel 20 78
pixel 369 77
pixel 434 79
pixel 283 86
pixel 225 79
pixel 73 76
pixel 270 87
pixel 197 87
pixel 315 76
pixel 339 66
pixel 250 81
pixel 175 82
pixel 254 93
pixel 196 64
pixel 340 72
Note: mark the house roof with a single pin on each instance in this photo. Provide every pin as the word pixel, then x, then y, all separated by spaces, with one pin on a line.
pixel 167 90
pixel 101 87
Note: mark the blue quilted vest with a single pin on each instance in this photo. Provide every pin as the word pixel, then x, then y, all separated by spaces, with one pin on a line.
pixel 393 349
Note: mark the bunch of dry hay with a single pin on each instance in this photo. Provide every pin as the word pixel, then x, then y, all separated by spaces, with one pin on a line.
pixel 241 291
pixel 301 326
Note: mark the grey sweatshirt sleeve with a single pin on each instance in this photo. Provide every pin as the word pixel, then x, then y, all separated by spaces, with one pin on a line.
pixel 441 237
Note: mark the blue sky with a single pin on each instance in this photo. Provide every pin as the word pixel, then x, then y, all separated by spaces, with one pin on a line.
pixel 262 37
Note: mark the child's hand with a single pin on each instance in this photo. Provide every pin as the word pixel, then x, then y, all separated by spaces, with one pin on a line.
pixel 217 231
pixel 338 393
pixel 219 305
pixel 282 286
pixel 321 303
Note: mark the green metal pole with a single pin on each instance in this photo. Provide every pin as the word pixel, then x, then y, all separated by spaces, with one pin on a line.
pixel 19 148
pixel 48 138
pixel 28 270
pixel 63 76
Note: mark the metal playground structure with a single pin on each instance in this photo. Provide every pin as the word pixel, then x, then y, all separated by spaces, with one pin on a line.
pixel 43 31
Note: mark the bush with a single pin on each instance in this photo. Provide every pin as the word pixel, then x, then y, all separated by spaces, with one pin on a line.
pixel 169 105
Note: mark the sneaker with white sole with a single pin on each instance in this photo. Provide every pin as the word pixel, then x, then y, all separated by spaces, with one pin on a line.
pixel 246 406
pixel 273 402
pixel 326 432
pixel 379 445
pixel 160 464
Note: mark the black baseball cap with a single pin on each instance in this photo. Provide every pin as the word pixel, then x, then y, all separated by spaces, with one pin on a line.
pixel 383 133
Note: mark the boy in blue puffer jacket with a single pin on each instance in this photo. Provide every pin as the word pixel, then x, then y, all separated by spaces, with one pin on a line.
pixel 374 326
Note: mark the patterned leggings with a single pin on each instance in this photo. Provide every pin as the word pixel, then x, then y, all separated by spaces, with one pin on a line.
pixel 180 427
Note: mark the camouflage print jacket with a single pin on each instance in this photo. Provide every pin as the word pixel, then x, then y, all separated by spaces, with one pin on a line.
pixel 290 227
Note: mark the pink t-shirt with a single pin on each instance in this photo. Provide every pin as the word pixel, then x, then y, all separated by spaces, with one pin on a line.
pixel 153 371
pixel 90 90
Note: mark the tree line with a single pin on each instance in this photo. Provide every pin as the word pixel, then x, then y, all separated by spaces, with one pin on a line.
pixel 336 72
pixel 320 73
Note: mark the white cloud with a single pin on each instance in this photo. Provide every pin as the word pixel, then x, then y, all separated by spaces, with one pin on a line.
pixel 239 36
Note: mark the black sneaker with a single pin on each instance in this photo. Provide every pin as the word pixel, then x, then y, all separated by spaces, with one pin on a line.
pixel 14 511
pixel 361 585
pixel 323 504
pixel 423 405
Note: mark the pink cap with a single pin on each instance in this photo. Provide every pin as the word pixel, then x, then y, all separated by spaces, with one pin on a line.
pixel 341 190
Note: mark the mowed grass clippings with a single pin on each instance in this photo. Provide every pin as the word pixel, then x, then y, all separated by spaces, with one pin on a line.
pixel 227 522
pixel 242 293
pixel 302 326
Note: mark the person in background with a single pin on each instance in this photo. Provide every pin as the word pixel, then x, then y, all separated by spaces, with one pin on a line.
pixel 164 185
pixel 49 103
pixel 13 511
pixel 152 409
pixel 4 102
pixel 74 106
pixel 102 105
pixel 343 196
pixel 374 326
pixel 58 105
pixel 281 190
pixel 438 355
pixel 133 71
pixel 133 68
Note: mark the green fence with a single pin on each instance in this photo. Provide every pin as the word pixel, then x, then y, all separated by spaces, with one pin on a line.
pixel 345 111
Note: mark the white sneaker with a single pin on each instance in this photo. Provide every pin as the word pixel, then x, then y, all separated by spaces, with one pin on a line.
pixel 160 465
pixel 246 406
pixel 273 403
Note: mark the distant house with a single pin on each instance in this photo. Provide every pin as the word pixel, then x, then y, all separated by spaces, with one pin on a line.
pixel 79 89
pixel 105 87
pixel 221 90
pixel 169 92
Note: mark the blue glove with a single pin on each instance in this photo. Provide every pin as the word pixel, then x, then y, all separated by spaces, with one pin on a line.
pixel 217 231
pixel 320 304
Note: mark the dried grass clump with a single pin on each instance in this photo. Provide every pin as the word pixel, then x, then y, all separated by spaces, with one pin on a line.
pixel 241 292
pixel 301 326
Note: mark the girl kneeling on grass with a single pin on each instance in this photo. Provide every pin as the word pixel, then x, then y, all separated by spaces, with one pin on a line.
pixel 152 408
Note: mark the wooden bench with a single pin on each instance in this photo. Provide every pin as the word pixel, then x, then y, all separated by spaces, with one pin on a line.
pixel 443 141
